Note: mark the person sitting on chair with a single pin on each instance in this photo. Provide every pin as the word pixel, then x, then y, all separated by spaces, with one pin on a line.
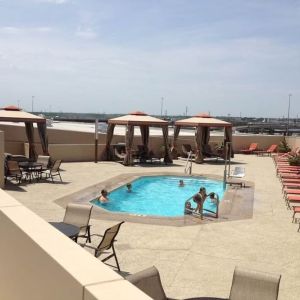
pixel 103 197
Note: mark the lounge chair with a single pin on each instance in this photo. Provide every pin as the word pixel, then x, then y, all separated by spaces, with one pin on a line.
pixel 119 153
pixel 251 149
pixel 142 153
pixel 246 285
pixel 186 149
pixel 145 156
pixel 235 182
pixel 209 152
pixel 238 172
pixel 269 151
pixel 107 243
pixel 53 171
pixel 79 215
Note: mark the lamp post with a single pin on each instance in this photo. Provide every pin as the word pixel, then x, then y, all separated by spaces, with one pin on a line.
pixel 288 116
pixel 32 101
pixel 96 140
pixel 161 106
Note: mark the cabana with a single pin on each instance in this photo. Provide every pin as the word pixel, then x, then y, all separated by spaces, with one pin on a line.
pixel 14 114
pixel 144 122
pixel 202 124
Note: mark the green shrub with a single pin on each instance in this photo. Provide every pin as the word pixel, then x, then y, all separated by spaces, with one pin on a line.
pixel 294 160
pixel 283 147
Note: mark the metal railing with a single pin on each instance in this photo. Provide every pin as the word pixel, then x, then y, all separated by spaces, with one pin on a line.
pixel 188 210
pixel 188 165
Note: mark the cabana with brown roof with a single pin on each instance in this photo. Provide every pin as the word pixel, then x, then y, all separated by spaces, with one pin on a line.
pixel 202 124
pixel 144 122
pixel 14 114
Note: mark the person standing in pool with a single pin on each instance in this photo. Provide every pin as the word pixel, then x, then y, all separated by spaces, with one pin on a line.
pixel 103 197
pixel 199 198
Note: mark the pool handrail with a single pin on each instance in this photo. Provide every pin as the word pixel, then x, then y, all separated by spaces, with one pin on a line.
pixel 191 211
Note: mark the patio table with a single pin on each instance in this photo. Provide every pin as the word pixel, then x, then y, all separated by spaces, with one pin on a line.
pixel 32 168
pixel 69 230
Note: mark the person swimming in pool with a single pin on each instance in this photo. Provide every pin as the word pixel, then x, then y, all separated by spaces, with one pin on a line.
pixel 103 197
pixel 188 210
pixel 129 187
pixel 181 183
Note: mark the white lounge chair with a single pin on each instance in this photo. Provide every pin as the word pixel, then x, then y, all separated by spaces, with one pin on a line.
pixel 238 172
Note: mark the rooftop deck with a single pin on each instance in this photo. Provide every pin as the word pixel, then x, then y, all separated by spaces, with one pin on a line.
pixel 193 260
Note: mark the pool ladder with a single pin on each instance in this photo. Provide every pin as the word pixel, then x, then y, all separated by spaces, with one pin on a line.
pixel 188 165
pixel 188 210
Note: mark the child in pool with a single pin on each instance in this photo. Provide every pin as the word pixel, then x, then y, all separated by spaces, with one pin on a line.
pixel 103 197
pixel 129 187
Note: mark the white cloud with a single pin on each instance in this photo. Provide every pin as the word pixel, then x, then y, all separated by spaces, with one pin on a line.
pixel 86 33
pixel 10 30
pixel 53 1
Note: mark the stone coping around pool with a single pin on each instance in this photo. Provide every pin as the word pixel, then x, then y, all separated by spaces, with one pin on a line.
pixel 237 203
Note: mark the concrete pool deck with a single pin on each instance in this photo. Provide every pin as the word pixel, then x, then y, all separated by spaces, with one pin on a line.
pixel 193 260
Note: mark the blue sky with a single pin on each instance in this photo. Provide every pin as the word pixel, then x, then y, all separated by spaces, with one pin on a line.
pixel 222 57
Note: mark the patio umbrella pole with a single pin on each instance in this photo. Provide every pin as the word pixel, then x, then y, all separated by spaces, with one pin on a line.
pixel 96 140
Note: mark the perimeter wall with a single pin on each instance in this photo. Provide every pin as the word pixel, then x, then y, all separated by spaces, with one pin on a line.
pixel 79 146
pixel 40 263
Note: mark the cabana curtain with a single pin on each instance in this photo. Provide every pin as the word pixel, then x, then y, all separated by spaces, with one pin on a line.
pixel 167 157
pixel 198 143
pixel 42 128
pixel 145 137
pixel 30 137
pixel 106 155
pixel 206 136
pixel 175 138
pixel 129 143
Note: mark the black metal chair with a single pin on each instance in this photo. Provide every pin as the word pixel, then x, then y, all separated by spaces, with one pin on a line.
pixel 13 170
pixel 107 243
pixel 53 171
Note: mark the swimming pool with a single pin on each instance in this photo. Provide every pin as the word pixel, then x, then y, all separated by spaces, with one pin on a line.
pixel 160 195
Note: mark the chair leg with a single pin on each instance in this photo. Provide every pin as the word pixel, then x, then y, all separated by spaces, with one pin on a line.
pixel 88 231
pixel 115 255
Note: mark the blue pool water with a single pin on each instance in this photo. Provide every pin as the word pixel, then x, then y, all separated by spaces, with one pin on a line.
pixel 160 195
